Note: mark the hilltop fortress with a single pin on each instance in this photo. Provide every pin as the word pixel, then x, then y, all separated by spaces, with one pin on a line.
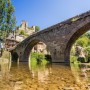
pixel 22 32
pixel 24 27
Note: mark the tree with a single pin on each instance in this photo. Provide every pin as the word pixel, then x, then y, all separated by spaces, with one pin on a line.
pixel 87 35
pixel 7 18
pixel 37 28
pixel 83 41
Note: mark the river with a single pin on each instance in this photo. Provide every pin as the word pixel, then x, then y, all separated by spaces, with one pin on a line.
pixel 22 76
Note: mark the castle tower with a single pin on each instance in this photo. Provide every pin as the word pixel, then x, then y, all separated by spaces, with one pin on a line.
pixel 24 25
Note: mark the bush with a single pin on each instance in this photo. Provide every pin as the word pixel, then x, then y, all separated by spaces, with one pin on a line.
pixel 81 59
pixel 37 28
pixel 38 57
pixel 88 59
pixel 87 49
pixel 73 59
pixel 22 32
pixel 83 42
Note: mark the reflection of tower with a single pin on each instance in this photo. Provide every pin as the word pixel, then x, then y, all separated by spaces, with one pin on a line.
pixel 24 25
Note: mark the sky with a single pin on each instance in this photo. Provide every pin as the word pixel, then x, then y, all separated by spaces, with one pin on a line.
pixel 45 13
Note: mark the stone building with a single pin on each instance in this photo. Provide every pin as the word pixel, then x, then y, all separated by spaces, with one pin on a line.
pixel 16 37
pixel 40 48
pixel 11 41
pixel 24 27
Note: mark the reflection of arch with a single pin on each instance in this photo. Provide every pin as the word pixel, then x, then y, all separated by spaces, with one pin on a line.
pixel 14 56
pixel 29 47
pixel 74 37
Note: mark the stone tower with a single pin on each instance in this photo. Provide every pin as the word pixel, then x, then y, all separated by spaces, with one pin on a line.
pixel 24 25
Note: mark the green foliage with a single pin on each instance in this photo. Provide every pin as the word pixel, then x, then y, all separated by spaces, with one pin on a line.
pixel 7 18
pixel 37 28
pixel 81 59
pixel 33 61
pixel 38 58
pixel 22 32
pixel 83 42
pixel 73 51
pixel 87 35
pixel 34 55
pixel 87 49
pixel 73 59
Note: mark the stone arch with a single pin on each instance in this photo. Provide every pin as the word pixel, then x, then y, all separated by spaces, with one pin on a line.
pixel 30 45
pixel 14 56
pixel 80 31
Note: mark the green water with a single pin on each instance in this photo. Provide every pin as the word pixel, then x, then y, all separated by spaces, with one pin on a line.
pixel 22 76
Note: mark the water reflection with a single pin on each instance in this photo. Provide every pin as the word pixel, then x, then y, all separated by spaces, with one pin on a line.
pixel 41 71
pixel 43 77
pixel 4 68
pixel 82 74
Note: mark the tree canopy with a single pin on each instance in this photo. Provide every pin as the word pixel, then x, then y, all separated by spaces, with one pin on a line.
pixel 37 28
pixel 7 18
pixel 83 41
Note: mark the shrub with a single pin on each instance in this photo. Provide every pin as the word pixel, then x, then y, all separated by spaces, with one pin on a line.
pixel 73 59
pixel 22 32
pixel 37 28
pixel 81 59
pixel 83 42
pixel 88 59
pixel 39 57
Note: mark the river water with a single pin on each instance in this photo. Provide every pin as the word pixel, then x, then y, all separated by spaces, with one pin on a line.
pixel 22 76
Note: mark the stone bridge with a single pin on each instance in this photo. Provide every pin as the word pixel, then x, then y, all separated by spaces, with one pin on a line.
pixel 59 39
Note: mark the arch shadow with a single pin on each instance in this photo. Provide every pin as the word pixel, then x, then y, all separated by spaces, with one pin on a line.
pixel 14 56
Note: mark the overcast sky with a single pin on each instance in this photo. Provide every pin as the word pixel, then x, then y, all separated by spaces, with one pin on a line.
pixel 45 13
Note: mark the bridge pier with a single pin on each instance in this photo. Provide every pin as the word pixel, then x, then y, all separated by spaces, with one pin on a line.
pixel 59 57
pixel 14 56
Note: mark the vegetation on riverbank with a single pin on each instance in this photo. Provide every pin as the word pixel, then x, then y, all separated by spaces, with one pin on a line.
pixel 84 43
pixel 38 58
